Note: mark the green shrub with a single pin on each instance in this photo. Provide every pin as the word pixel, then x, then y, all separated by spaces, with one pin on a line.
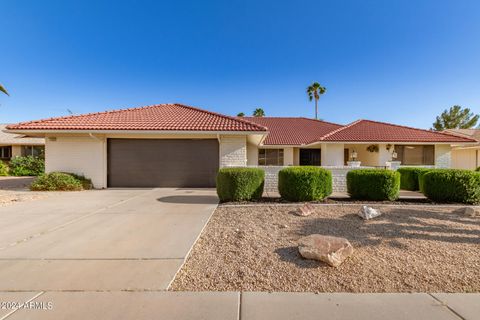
pixel 409 177
pixel 56 181
pixel 304 183
pixel 27 166
pixel 421 179
pixel 239 184
pixel 452 185
pixel 478 169
pixel 3 169
pixel 373 184
pixel 86 183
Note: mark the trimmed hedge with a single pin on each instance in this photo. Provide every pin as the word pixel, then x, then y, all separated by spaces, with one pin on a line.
pixel 478 169
pixel 3 169
pixel 304 183
pixel 452 185
pixel 373 184
pixel 27 166
pixel 421 179
pixel 56 181
pixel 409 177
pixel 240 184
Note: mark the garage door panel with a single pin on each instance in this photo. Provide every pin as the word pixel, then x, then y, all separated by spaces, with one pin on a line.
pixel 162 163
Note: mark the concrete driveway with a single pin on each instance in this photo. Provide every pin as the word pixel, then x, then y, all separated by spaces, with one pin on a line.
pixel 109 240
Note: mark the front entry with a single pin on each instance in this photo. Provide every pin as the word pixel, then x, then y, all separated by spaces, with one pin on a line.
pixel 310 157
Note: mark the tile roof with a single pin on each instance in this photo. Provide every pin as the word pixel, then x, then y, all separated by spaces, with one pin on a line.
pixel 374 131
pixel 293 131
pixel 469 133
pixel 12 139
pixel 162 117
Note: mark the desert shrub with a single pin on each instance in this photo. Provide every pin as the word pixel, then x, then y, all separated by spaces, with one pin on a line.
pixel 3 169
pixel 27 166
pixel 239 184
pixel 56 181
pixel 304 183
pixel 86 183
pixel 409 177
pixel 373 184
pixel 452 185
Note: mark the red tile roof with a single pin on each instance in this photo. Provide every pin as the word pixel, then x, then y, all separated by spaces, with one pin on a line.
pixel 293 131
pixel 374 131
pixel 168 117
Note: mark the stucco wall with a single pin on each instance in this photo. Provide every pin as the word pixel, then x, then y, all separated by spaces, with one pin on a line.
pixel 16 151
pixel 465 158
pixel 443 156
pixel 233 151
pixel 81 155
pixel 332 154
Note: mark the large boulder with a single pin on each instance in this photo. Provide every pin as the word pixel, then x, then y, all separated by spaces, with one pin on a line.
pixel 331 250
pixel 368 213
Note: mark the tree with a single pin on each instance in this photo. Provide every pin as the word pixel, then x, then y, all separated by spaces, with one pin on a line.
pixel 241 114
pixel 259 112
pixel 314 91
pixel 2 89
pixel 456 118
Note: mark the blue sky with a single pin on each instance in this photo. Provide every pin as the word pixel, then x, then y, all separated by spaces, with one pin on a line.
pixel 395 61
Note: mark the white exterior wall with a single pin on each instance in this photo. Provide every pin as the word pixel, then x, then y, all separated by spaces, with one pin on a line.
pixel 16 151
pixel 332 154
pixel 80 155
pixel 252 154
pixel 384 155
pixel 466 158
pixel 288 158
pixel 443 156
pixel 233 151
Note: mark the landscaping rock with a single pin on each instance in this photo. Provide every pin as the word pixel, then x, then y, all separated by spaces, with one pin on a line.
pixel 331 250
pixel 367 213
pixel 472 211
pixel 305 210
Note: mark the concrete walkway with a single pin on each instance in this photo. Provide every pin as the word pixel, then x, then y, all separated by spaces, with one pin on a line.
pixel 245 306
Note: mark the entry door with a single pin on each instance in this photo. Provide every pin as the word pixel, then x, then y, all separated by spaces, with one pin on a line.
pixel 310 157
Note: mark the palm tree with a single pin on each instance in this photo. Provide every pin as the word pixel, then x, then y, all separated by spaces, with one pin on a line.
pixel 258 112
pixel 2 89
pixel 314 92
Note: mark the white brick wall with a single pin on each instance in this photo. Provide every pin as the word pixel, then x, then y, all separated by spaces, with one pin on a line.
pixel 443 156
pixel 339 177
pixel 233 151
pixel 80 155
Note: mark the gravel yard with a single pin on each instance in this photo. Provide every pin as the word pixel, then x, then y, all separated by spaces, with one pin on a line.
pixel 408 249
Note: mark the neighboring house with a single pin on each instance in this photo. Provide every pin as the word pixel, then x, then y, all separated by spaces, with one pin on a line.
pixel 466 156
pixel 174 145
pixel 15 145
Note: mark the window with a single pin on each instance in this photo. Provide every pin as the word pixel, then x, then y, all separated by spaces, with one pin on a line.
pixel 415 155
pixel 5 152
pixel 36 151
pixel 270 157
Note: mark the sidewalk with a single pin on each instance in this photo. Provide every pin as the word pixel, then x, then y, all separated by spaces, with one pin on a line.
pixel 246 305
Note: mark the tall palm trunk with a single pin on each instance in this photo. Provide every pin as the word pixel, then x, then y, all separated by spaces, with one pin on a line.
pixel 316 109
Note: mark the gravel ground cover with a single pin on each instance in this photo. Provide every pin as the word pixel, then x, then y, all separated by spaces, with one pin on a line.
pixel 407 249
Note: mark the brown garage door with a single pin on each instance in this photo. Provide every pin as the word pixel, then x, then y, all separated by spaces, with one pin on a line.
pixel 162 163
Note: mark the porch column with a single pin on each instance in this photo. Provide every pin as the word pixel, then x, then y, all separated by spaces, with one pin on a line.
pixel 384 155
pixel 332 154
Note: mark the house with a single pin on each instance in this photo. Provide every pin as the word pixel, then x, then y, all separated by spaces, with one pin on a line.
pixel 466 156
pixel 173 145
pixel 15 145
